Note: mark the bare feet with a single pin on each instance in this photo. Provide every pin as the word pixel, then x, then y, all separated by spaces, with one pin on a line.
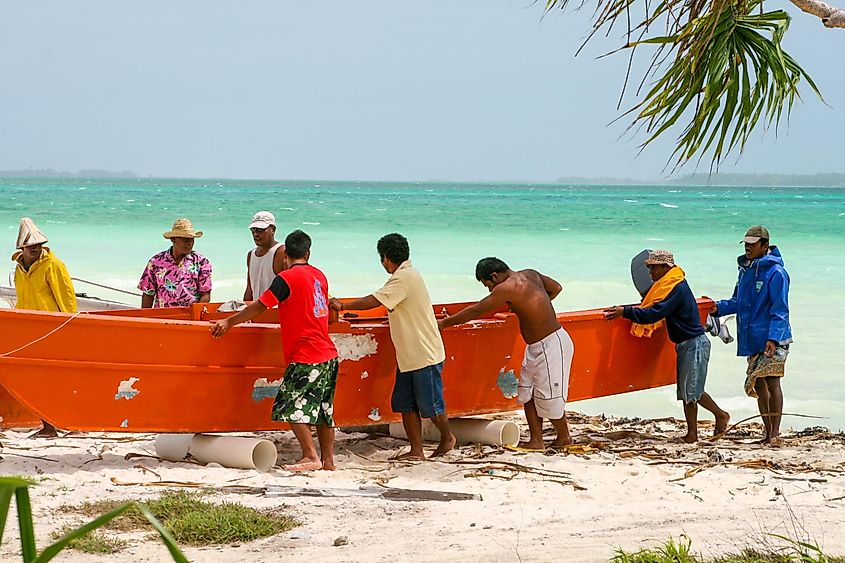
pixel 445 446
pixel 722 421
pixel 562 442
pixel 409 456
pixel 328 465
pixel 775 441
pixel 304 464
pixel 537 445
pixel 688 439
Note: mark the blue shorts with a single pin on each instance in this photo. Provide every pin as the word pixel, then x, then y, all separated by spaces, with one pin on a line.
pixel 693 357
pixel 420 390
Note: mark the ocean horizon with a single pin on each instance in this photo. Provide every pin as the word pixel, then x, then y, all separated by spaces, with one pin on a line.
pixel 584 236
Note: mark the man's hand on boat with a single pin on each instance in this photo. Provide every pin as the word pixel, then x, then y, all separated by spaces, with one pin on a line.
pixel 219 328
pixel 613 313
pixel 222 326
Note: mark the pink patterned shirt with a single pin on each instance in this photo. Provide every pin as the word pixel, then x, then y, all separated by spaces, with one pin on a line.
pixel 176 285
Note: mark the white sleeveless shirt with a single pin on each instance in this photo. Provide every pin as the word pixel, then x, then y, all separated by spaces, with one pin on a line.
pixel 261 272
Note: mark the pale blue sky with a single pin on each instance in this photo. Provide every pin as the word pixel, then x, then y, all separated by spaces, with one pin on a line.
pixel 383 90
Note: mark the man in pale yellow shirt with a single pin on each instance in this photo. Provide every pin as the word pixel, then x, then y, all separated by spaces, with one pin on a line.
pixel 418 392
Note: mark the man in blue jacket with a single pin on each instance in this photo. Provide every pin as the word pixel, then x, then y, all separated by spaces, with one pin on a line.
pixel 760 302
pixel 670 301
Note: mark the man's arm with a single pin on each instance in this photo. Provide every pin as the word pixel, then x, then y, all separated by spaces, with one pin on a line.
pixel 727 307
pixel 248 290
pixel 552 287
pixel 778 311
pixel 495 300
pixel 147 285
pixel 362 304
pixel 279 262
pixel 204 281
pixel 62 288
pixel 646 315
pixel 221 327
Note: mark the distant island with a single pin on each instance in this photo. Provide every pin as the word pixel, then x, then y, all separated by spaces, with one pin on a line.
pixel 828 180
pixel 50 173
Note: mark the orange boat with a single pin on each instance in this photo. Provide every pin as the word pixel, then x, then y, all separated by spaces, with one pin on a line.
pixel 159 370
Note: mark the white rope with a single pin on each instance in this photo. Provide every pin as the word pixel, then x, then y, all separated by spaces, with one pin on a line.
pixel 55 330
pixel 132 293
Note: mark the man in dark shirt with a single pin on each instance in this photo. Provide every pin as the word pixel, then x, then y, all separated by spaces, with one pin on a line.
pixel 670 300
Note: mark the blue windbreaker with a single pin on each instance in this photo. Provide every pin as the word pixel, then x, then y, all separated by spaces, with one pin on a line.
pixel 760 302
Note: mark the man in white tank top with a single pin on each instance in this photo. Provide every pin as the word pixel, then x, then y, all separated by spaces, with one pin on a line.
pixel 267 259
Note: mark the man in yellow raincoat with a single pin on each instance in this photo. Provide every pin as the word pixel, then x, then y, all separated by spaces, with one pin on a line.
pixel 41 280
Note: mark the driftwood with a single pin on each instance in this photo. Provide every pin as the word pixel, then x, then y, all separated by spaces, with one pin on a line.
pixel 387 493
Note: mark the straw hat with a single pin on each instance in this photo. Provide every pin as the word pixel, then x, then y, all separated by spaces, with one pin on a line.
pixel 656 257
pixel 29 234
pixel 182 228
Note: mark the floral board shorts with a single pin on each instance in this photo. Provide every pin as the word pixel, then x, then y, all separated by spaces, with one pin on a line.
pixel 306 394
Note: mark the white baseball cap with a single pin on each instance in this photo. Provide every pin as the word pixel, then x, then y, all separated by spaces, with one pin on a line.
pixel 262 220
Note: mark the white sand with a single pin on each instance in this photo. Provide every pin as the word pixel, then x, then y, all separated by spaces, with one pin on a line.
pixel 626 502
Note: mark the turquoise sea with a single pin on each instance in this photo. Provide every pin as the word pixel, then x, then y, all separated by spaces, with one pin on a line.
pixel 584 236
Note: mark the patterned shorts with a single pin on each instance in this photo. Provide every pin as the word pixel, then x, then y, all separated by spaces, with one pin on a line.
pixel 761 366
pixel 306 395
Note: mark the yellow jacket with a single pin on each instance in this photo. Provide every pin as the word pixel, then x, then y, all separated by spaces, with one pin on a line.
pixel 46 286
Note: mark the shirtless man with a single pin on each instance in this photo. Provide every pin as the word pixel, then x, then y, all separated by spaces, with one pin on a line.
pixel 544 378
pixel 267 259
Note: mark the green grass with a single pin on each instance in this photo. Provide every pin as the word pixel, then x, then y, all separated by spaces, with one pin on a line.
pixel 670 551
pixel 93 542
pixel 193 521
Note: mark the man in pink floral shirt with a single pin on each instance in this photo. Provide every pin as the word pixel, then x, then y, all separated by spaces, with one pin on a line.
pixel 178 276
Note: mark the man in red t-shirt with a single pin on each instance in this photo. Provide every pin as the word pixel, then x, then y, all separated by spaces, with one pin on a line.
pixel 306 395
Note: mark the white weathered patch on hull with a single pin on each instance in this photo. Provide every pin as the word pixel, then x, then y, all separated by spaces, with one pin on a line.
pixel 354 346
pixel 374 415
pixel 364 374
pixel 263 389
pixel 125 390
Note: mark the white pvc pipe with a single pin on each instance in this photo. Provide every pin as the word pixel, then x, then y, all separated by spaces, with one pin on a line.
pixel 228 451
pixel 173 447
pixel 468 431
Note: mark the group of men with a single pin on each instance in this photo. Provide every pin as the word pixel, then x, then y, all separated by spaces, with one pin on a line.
pixel 760 302
pixel 280 275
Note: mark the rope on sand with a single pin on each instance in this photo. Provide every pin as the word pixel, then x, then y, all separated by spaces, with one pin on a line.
pixel 55 330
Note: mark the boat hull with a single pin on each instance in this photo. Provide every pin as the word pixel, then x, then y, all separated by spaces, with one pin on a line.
pixel 12 413
pixel 129 372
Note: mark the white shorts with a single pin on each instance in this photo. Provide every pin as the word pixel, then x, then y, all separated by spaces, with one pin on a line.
pixel 545 374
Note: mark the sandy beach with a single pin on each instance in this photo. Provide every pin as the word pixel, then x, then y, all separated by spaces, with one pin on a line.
pixel 627 485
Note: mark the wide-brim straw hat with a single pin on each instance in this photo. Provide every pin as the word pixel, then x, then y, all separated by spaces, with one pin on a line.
pixel 29 234
pixel 182 228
